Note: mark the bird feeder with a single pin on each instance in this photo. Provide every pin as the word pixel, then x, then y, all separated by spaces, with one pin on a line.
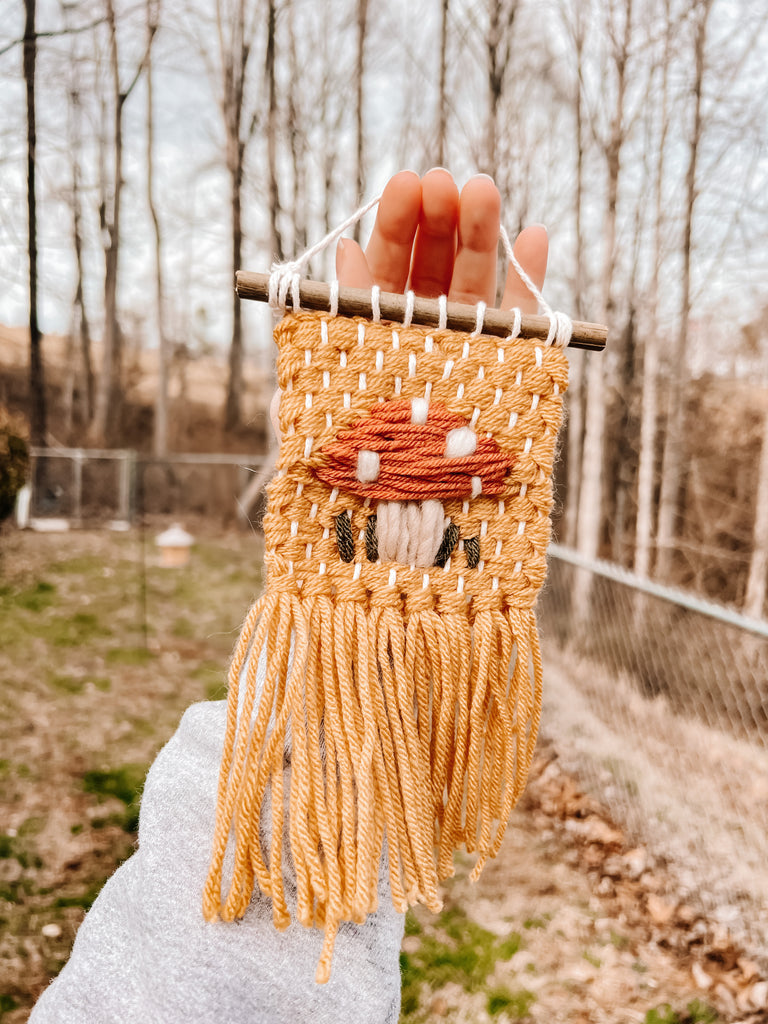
pixel 175 545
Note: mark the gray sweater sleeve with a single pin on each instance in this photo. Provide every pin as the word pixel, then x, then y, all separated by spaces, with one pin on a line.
pixel 144 952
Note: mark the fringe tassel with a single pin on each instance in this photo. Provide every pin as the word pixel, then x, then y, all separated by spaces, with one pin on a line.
pixel 420 734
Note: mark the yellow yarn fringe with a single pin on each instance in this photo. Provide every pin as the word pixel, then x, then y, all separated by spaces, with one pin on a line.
pixel 407 701
pixel 420 734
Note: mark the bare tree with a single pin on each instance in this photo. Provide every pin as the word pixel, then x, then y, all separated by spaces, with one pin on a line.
pixel 362 29
pixel 672 462
pixel 160 440
pixel 108 402
pixel 498 45
pixel 37 405
pixel 442 97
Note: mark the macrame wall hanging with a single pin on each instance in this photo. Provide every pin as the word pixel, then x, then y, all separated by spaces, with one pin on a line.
pixel 405 539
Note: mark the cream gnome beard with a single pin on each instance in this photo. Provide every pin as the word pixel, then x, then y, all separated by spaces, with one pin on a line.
pixel 405 546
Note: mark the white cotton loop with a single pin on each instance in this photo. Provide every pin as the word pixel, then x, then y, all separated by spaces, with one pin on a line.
pixel 560 330
pixel 333 301
pixel 442 320
pixel 410 298
pixel 517 323
pixel 375 307
pixel 479 318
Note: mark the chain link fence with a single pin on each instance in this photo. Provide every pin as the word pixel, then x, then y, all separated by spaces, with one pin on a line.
pixel 659 701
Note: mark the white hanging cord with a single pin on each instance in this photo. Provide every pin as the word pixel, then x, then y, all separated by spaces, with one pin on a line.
pixel 285 278
pixel 560 325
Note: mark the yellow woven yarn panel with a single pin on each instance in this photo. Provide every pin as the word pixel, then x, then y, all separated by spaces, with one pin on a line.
pixel 333 371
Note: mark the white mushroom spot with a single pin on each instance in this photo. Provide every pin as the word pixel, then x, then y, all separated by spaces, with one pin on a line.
pixel 367 466
pixel 459 442
pixel 419 410
pixel 477 486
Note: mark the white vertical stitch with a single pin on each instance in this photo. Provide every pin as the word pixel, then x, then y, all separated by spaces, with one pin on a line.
pixel 326 376
pixel 361 382
pixel 518 567
pixel 460 390
pixel 321 569
pixel 465 351
pixel 528 445
pixel 333 303
pixel 481 373
pixel 356 571
pixel 539 356
pixel 523 490
pixel 555 388
pixel 500 354
pixel 481 565
pixel 483 527
pixel 497 396
pixel 428 390
pixel 307 356
pixel 410 299
pixel 447 369
pixel 495 583
pixel 308 551
pixel 361 537
pixel 428 343
pixel 442 305
pixel 313 510
pixel 534 402
pixel 475 417
pixel 379 359
pixel 411 364
pixel 425 581
pixel 294 527
pixel 308 446
pixel 395 340
pixel 299 490
pixel 343 359
pixel 518 378
pixel 512 420
pixel 346 400
pixel 308 400
pixel 499 546
pixel 360 335
pixel 328 420
pixel 334 495
pixel 367 503
pixel 290 568
pixel 501 506
pixel 465 507
pixel 392 577
pixel 398 385
pixel 460 585
pixel 326 533
pixel 447 566
pixel 375 307
pixel 324 323
pixel 521 528
pixel 461 544
pixel 479 318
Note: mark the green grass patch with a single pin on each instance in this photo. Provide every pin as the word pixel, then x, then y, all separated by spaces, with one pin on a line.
pixel 76 630
pixel 83 900
pixel 695 1013
pixel 67 684
pixel 515 1005
pixel 459 951
pixel 36 598
pixel 537 921
pixel 129 656
pixel 124 783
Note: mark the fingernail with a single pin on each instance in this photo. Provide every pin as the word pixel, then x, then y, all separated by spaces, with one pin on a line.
pixel 482 174
pixel 445 169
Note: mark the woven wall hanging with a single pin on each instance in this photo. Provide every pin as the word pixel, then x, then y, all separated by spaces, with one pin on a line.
pixel 405 540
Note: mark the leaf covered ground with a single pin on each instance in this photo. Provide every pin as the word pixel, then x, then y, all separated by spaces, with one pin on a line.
pixel 100 652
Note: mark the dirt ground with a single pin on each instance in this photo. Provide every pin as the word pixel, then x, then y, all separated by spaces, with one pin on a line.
pixel 100 651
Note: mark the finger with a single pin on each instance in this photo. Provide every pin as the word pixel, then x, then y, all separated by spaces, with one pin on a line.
pixel 352 268
pixel 435 247
pixel 389 250
pixel 531 249
pixel 474 272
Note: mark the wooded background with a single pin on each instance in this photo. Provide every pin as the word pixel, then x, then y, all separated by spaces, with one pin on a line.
pixel 150 148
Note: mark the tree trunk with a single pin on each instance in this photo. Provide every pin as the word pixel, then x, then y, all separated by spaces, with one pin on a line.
pixel 674 438
pixel 160 439
pixel 362 25
pixel 37 404
pixel 442 98
pixel 754 600
pixel 275 238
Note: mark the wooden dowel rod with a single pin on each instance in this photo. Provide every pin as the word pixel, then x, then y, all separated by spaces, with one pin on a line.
pixel 426 312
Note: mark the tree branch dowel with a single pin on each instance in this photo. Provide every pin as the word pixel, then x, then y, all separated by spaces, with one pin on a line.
pixel 426 312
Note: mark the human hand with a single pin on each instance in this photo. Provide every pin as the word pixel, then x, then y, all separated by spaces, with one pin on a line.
pixel 434 241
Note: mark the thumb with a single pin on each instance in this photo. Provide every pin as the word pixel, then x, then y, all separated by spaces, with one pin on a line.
pixel 352 266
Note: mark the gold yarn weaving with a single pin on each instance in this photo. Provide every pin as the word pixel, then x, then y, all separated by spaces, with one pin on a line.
pixel 409 694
